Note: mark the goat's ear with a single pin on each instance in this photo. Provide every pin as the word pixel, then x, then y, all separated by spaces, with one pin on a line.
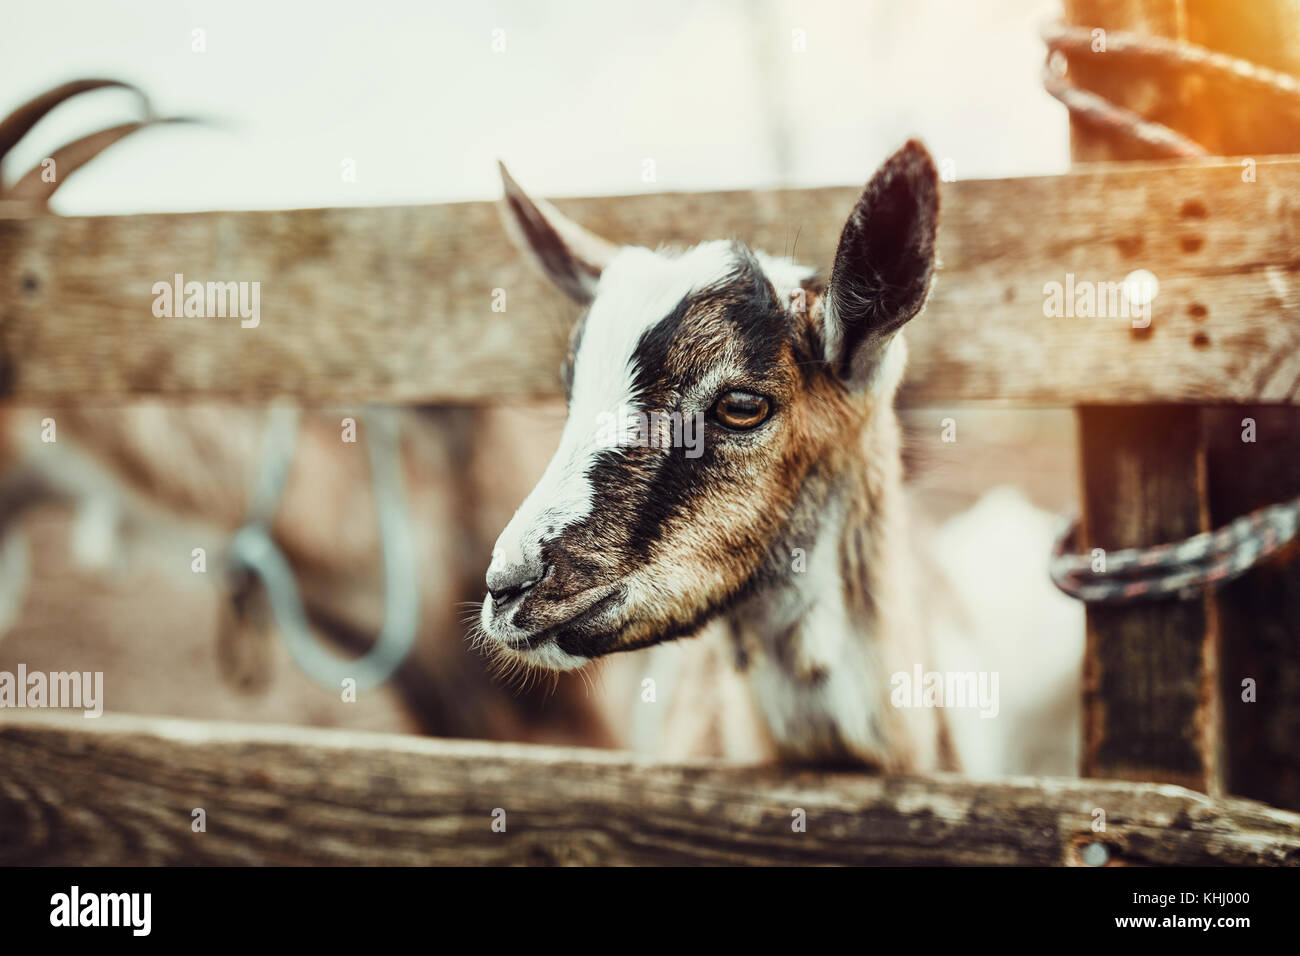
pixel 570 256
pixel 884 262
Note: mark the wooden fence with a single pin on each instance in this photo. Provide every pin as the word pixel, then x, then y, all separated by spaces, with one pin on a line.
pixel 78 791
pixel 395 305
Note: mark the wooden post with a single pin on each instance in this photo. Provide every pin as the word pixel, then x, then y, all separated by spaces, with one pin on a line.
pixel 1150 678
pixel 1163 694
pixel 1259 614
pixel 1149 669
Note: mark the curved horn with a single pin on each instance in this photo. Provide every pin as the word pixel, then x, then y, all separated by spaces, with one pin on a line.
pixel 32 186
pixel 16 125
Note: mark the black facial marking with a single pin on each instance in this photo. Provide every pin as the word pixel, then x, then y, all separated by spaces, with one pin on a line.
pixel 743 299
pixel 751 305
pixel 639 494
pixel 746 302
pixel 597 644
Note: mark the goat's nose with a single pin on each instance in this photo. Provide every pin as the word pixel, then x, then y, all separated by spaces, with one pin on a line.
pixel 506 582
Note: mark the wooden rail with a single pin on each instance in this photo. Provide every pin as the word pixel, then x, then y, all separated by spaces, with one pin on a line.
pixel 395 304
pixel 122 790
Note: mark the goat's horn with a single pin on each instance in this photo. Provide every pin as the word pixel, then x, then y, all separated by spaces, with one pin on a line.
pixel 15 126
pixel 33 187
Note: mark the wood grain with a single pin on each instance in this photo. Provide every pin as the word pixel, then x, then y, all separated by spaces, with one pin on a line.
pixel 1150 688
pixel 1259 614
pixel 121 790
pixel 1163 680
pixel 1150 669
pixel 395 303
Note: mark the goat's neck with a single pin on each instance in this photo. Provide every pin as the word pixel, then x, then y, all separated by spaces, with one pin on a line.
pixel 820 642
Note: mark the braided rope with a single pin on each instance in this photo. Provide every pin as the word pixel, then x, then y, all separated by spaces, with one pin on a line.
pixel 1183 568
pixel 1177 53
pixel 1099 111
pixel 1212 558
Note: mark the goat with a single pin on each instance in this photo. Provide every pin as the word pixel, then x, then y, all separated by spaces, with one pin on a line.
pixel 791 528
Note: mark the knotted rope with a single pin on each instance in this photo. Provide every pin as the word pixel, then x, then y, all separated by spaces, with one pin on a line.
pixel 1097 110
pixel 1183 568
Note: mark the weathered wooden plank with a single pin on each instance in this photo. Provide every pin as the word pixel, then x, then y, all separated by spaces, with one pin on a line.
pixel 395 303
pixel 1258 615
pixel 1150 670
pixel 122 790
pixel 1149 676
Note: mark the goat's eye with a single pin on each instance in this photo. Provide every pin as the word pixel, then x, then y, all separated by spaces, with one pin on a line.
pixel 740 411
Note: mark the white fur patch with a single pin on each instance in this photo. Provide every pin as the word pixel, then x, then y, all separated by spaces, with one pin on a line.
pixel 549 657
pixel 638 289
pixel 1016 624
pixel 816 716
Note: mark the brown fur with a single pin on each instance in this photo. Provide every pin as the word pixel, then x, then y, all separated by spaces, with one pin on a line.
pixel 661 546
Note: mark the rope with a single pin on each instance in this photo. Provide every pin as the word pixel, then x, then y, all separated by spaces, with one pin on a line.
pixel 1184 568
pixel 253 550
pixel 1097 110
pixel 1175 53
pixel 1101 112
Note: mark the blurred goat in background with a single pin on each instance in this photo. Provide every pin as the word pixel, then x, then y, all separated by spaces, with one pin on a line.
pixel 148 482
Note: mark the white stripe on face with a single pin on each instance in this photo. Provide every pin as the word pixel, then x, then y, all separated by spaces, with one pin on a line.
pixel 637 290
